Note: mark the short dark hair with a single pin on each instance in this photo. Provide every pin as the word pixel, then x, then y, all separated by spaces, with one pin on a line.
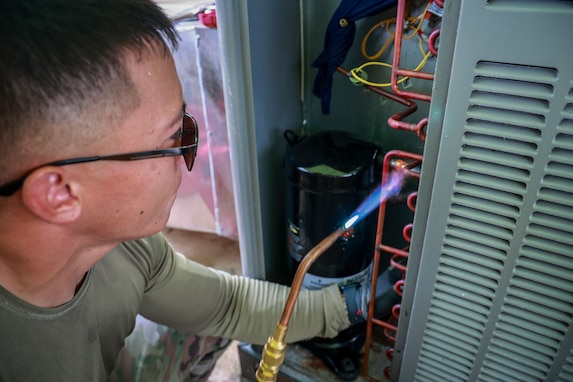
pixel 62 63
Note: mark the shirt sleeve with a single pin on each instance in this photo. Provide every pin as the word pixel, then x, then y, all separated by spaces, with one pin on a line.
pixel 200 300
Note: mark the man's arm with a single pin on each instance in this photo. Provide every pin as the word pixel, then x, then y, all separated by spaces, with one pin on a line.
pixel 197 299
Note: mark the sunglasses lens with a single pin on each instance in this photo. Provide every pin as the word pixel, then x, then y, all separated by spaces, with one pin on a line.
pixel 190 137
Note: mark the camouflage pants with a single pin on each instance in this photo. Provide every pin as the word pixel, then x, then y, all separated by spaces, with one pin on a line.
pixel 155 352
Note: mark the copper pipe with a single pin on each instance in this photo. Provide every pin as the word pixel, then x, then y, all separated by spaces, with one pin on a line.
pixel 396 71
pixel 391 162
pixel 275 349
pixel 411 201
pixel 399 287
pixel 380 91
pixel 388 164
pixel 394 251
pixel 415 74
pixel 369 321
pixel 384 324
pixel 301 271
pixel 408 168
pixel 432 41
pixel 407 232
pixel 395 120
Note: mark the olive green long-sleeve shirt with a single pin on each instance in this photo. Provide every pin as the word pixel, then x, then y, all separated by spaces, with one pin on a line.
pixel 81 339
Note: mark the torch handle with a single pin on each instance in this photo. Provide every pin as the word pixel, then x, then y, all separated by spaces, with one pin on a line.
pixel 275 349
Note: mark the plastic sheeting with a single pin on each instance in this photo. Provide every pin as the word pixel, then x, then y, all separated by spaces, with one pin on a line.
pixel 205 199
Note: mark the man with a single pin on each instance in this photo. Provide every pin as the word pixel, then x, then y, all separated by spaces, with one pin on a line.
pixel 93 131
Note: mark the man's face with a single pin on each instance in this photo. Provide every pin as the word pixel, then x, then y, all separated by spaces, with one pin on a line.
pixel 129 200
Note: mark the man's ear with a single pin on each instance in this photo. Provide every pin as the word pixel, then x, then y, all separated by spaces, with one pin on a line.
pixel 48 194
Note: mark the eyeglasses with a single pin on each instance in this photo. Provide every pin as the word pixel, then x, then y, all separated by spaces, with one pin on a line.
pixel 185 145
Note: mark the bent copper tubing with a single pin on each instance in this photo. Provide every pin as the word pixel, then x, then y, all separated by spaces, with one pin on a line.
pixel 411 201
pixel 394 160
pixel 381 91
pixel 399 287
pixel 302 269
pixel 407 232
pixel 395 120
pixel 432 42
pixel 396 71
pixel 407 168
pixel 274 351
pixel 384 324
pixel 397 254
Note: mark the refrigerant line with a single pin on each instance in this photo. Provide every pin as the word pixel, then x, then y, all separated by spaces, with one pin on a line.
pixel 396 71
pixel 395 120
pixel 405 162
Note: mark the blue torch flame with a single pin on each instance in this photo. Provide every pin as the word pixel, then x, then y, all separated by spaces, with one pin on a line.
pixel 379 195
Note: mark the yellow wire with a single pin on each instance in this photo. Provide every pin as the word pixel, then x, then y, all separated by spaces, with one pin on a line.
pixel 354 71
pixel 366 82
pixel 388 22
pixel 421 21
pixel 386 44
pixel 423 62
pixel 421 46
pixel 411 20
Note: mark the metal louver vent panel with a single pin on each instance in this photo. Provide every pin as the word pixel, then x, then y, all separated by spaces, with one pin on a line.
pixel 499 146
pixel 491 298
pixel 499 150
pixel 538 311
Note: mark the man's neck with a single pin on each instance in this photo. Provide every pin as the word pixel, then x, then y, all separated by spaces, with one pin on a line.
pixel 46 275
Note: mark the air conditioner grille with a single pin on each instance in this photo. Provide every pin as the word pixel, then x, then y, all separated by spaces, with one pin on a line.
pixel 538 299
pixel 504 131
pixel 566 374
pixel 523 310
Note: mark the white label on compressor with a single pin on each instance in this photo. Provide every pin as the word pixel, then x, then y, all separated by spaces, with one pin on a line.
pixel 318 282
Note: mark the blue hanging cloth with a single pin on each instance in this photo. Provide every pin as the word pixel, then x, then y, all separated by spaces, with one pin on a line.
pixel 338 40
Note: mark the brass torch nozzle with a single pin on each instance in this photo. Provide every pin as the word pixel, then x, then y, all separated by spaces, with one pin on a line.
pixel 275 349
pixel 273 356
